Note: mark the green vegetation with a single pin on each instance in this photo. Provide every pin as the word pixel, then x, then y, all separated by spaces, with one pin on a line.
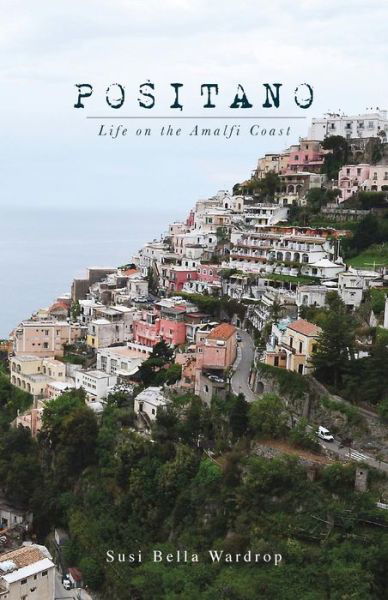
pixel 370 232
pixel 290 384
pixel 12 400
pixel 113 489
pixel 351 412
pixel 374 257
pixel 303 279
pixel 159 369
pixel 335 344
pixel 338 156
pixel 267 417
pixel 218 308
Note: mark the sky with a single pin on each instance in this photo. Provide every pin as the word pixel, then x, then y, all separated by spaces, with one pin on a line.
pixel 50 154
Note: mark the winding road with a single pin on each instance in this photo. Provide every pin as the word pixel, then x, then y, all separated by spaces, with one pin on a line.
pixel 242 367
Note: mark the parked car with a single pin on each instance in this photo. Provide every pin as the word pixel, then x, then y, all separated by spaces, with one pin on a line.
pixel 325 434
pixel 238 338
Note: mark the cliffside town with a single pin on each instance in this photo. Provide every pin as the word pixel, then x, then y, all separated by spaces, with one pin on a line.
pixel 228 339
pixel 243 247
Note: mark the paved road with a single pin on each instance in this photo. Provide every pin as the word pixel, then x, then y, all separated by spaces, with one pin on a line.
pixel 60 591
pixel 240 384
pixel 352 454
pixel 240 379
pixel 74 594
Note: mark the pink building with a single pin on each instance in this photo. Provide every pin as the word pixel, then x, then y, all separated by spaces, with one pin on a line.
pixel 31 420
pixel 351 178
pixel 218 349
pixel 168 324
pixel 146 329
pixel 308 155
pixel 45 338
pixel 188 361
pixel 172 325
pixel 179 276
pixel 209 273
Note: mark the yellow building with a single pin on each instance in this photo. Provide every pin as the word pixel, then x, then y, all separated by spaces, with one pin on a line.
pixel 293 350
pixel 33 373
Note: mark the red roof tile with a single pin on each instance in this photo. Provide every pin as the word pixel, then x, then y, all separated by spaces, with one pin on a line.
pixel 305 328
pixel 222 332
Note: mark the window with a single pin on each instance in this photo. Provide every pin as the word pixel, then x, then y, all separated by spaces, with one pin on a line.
pixel 44 573
pixel 358 171
pixel 45 345
pixel 23 581
pixel 46 331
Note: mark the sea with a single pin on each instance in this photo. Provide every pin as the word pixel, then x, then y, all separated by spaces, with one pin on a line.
pixel 43 250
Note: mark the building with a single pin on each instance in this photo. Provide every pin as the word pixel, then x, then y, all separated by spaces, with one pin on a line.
pixel 352 285
pixel 216 351
pixel 119 360
pixel 33 374
pixel 137 286
pixel 352 178
pixel 149 401
pixel 308 156
pixel 265 214
pixel 45 338
pixel 11 515
pixel 311 295
pixel 111 325
pixel 365 125
pixel 31 419
pixel 96 384
pixel 291 246
pixel 292 348
pixel 27 573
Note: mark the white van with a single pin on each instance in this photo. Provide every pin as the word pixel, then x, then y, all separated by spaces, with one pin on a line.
pixel 325 434
pixel 67 584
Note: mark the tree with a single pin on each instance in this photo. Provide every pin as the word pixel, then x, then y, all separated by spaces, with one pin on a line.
pixel 335 345
pixel 268 185
pixel 238 417
pixel 337 157
pixel 301 437
pixel 267 417
pixel 162 350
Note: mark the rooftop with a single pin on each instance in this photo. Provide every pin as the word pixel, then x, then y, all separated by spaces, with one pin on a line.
pixel 222 332
pixel 305 328
pixel 22 557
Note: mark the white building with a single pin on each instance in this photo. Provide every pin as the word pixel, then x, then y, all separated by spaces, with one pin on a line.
pixel 353 283
pixel 27 573
pixel 311 295
pixel 386 313
pixel 113 325
pixel 137 286
pixel 96 384
pixel 149 401
pixel 119 360
pixel 324 269
pixel 368 124
pixel 265 214
pixel 11 515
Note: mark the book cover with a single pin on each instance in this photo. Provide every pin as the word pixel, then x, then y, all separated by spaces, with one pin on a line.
pixel 193 309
